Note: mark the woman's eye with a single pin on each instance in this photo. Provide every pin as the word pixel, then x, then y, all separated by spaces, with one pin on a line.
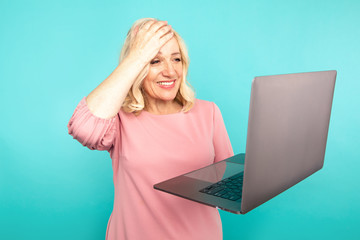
pixel 154 61
pixel 178 59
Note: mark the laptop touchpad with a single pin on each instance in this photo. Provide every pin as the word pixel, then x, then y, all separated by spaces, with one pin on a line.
pixel 216 172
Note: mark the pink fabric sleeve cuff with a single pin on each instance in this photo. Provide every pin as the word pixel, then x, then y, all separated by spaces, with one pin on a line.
pixel 92 131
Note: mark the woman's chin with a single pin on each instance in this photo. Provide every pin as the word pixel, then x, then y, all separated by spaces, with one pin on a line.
pixel 167 96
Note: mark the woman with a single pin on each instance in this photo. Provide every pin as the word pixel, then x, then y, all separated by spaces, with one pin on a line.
pixel 146 116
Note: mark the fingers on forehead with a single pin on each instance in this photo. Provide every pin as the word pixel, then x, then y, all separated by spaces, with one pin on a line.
pixel 147 25
pixel 158 25
pixel 155 25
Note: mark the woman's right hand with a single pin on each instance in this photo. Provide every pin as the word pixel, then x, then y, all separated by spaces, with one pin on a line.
pixel 106 99
pixel 149 39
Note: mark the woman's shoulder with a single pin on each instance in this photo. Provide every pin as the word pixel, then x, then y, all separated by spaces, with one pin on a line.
pixel 201 101
pixel 204 107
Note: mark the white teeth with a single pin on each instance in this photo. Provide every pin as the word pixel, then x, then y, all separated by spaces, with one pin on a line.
pixel 166 83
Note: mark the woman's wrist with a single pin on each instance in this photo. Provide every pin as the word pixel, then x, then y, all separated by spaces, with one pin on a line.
pixel 138 59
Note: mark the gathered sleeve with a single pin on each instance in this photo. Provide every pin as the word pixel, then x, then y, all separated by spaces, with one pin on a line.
pixel 221 141
pixel 92 131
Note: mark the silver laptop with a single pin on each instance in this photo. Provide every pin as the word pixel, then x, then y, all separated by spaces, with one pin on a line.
pixel 286 138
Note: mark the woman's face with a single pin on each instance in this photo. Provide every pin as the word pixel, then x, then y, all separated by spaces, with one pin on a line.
pixel 165 73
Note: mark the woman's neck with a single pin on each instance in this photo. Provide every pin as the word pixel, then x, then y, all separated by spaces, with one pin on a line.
pixel 159 107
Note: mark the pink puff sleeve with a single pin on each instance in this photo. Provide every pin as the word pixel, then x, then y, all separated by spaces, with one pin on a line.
pixel 221 141
pixel 90 130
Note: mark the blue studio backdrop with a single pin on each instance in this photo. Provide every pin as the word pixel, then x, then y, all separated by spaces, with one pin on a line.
pixel 52 53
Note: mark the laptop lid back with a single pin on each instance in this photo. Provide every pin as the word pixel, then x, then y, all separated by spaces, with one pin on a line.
pixel 287 132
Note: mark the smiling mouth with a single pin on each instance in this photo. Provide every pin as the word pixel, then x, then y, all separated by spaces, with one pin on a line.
pixel 166 83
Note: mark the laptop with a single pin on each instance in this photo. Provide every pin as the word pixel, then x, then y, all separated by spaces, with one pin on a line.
pixel 288 125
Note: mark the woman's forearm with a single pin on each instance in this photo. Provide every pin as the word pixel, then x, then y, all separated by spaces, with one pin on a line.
pixel 106 99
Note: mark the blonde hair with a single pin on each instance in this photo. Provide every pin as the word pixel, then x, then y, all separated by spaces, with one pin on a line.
pixel 135 101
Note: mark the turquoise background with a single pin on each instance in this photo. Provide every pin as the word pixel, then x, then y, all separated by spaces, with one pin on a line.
pixel 52 53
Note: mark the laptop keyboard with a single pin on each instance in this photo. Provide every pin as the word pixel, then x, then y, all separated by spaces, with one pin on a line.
pixel 228 188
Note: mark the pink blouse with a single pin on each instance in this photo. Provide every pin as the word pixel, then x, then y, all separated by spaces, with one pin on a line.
pixel 148 149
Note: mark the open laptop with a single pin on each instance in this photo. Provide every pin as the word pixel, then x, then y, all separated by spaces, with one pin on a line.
pixel 286 138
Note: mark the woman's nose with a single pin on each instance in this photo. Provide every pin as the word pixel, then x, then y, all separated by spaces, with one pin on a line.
pixel 169 69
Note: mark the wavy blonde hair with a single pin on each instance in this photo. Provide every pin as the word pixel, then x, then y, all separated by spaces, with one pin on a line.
pixel 135 100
